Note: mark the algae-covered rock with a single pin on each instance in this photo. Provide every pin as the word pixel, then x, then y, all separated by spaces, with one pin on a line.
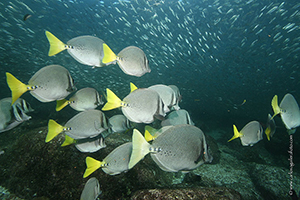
pixel 32 168
pixel 217 193
pixel 274 182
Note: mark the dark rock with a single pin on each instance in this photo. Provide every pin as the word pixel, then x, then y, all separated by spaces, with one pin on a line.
pixel 213 149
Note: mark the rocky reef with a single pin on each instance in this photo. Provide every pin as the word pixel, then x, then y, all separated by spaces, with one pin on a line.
pixel 33 169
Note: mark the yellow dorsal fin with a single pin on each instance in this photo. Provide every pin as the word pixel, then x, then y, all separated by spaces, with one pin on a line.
pixel 148 136
pixel 91 166
pixel 275 106
pixel 140 148
pixel 109 55
pixel 53 130
pixel 112 101
pixel 236 133
pixel 60 104
pixel 132 87
pixel 56 45
pixel 17 87
pixel 268 132
pixel 68 141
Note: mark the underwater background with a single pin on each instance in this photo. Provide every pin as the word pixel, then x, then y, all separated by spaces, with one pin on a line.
pixel 218 53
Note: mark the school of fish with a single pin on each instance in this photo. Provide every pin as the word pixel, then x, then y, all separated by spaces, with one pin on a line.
pixel 178 145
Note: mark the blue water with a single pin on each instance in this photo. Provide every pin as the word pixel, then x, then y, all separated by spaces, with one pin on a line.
pixel 219 53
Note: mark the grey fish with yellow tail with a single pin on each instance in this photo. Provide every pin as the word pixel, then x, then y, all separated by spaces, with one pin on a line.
pixel 179 148
pixel 13 115
pixel 87 50
pixel 139 106
pixel 91 190
pixel 288 110
pixel 83 99
pixel 118 124
pixel 250 134
pixel 88 145
pixel 114 163
pixel 177 117
pixel 132 60
pixel 86 124
pixel 50 83
pixel 271 127
pixel 167 94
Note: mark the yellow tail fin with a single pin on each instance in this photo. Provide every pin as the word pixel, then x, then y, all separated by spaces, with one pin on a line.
pixel 68 141
pixel 275 106
pixel 53 130
pixel 109 55
pixel 148 136
pixel 132 87
pixel 17 87
pixel 236 134
pixel 60 104
pixel 112 101
pixel 150 133
pixel 56 45
pixel 268 132
pixel 91 166
pixel 140 148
